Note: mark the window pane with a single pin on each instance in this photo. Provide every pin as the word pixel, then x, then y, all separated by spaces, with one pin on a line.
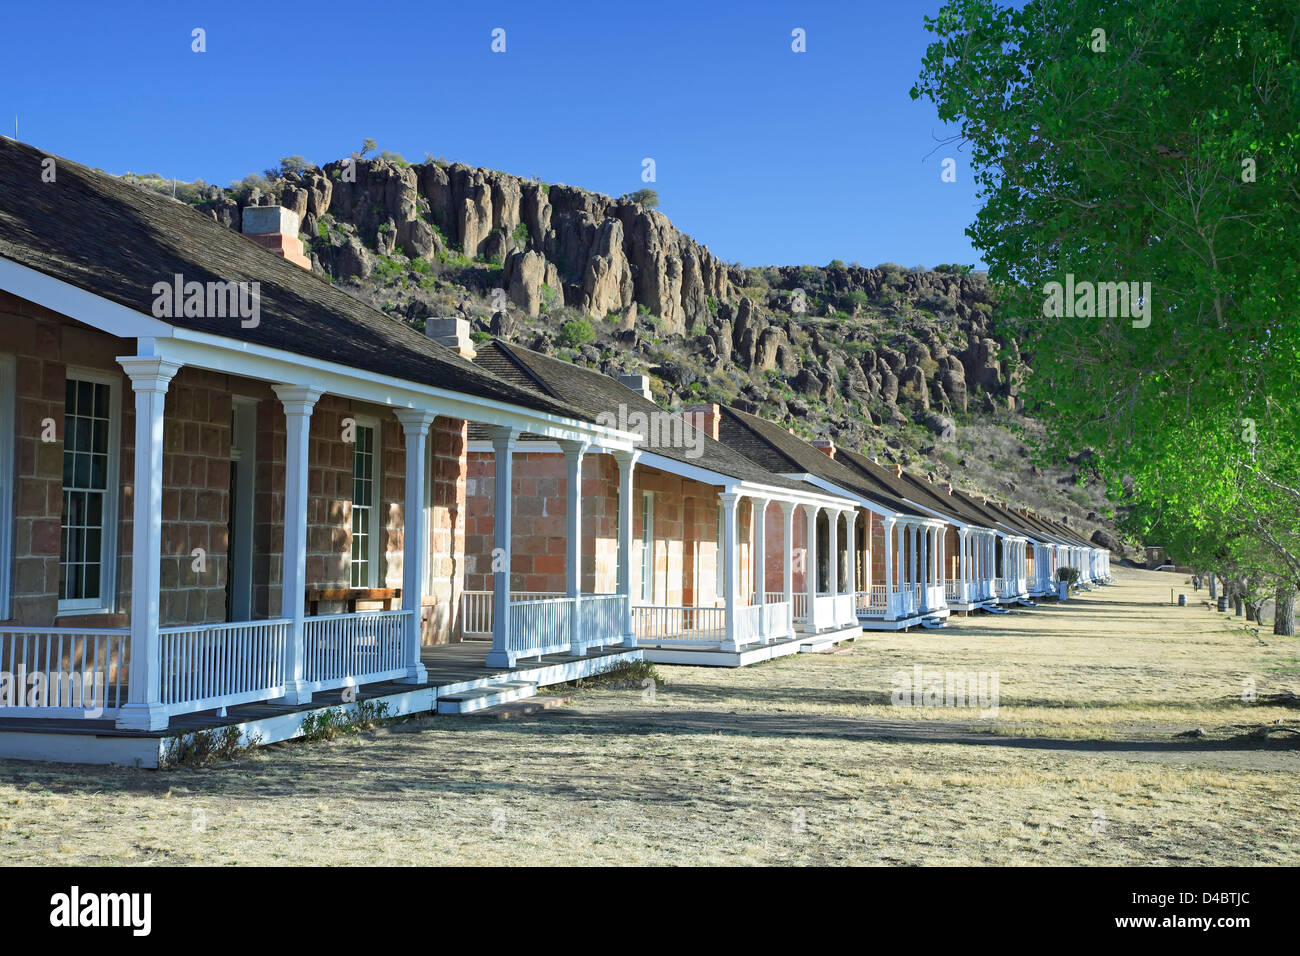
pixel 87 414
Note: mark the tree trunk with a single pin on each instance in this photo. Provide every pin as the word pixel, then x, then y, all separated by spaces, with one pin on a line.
pixel 1214 588
pixel 1284 611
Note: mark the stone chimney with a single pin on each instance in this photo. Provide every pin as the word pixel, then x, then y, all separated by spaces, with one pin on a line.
pixel 825 446
pixel 275 228
pixel 704 418
pixel 638 383
pixel 453 333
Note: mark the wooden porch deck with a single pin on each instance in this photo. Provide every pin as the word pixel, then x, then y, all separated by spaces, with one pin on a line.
pixel 450 667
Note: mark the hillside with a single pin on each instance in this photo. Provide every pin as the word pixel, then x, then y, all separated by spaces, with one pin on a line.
pixel 903 364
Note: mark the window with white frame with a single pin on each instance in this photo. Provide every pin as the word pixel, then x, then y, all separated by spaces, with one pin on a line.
pixel 647 546
pixel 91 422
pixel 366 470
pixel 7 437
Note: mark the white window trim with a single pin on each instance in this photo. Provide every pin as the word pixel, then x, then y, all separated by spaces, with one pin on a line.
pixel 8 487
pixel 647 582
pixel 107 601
pixel 376 497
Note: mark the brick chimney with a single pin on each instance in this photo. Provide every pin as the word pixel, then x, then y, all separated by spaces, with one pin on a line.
pixel 275 228
pixel 946 486
pixel 453 333
pixel 825 446
pixel 638 383
pixel 704 418
pixel 898 470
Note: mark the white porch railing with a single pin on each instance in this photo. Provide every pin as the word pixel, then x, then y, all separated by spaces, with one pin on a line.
pixel 952 590
pixel 63 672
pixel 903 603
pixel 825 613
pixel 476 610
pixel 345 649
pixel 799 598
pixel 776 620
pixel 685 625
pixel 872 603
pixel 846 612
pixel 602 617
pixel 202 666
pixel 543 626
pixel 749 623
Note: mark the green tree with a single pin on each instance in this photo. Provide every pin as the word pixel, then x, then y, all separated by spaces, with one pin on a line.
pixel 368 145
pixel 646 197
pixel 1151 142
pixel 293 164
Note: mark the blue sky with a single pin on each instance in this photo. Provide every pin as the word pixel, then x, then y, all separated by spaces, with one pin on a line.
pixel 763 154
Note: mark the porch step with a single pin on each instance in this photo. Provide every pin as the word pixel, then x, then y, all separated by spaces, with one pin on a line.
pixel 523 708
pixel 481 698
pixel 933 622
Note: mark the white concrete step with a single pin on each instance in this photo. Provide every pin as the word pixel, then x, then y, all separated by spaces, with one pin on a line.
pixel 482 698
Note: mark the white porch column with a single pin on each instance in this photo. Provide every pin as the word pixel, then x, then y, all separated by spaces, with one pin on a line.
pixel 626 463
pixel 914 558
pixel 787 563
pixel 941 580
pixel 503 454
pixel 833 549
pixel 298 402
pixel 927 567
pixel 963 569
pixel 758 517
pixel 415 535
pixel 810 566
pixel 731 566
pixel 851 561
pixel 890 589
pixel 573 453
pixel 149 378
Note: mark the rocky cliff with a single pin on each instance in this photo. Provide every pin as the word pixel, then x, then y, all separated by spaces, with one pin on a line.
pixel 904 364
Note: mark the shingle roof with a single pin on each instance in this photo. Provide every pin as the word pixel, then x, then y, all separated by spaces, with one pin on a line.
pixel 116 240
pixel 595 393
pixel 774 448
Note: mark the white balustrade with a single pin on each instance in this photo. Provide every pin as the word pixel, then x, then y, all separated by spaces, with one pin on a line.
pixel 476 610
pixel 203 666
pixel 684 625
pixel 542 626
pixel 602 617
pixel 349 649
pixel 63 672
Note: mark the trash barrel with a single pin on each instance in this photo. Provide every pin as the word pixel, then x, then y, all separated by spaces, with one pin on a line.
pixel 1182 600
pixel 1223 603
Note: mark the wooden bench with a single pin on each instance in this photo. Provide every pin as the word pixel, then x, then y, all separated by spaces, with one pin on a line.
pixel 391 597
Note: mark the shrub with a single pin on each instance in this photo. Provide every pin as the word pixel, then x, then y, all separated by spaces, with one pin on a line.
pixel 576 333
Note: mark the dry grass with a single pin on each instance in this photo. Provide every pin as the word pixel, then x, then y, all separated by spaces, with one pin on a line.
pixel 800 760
